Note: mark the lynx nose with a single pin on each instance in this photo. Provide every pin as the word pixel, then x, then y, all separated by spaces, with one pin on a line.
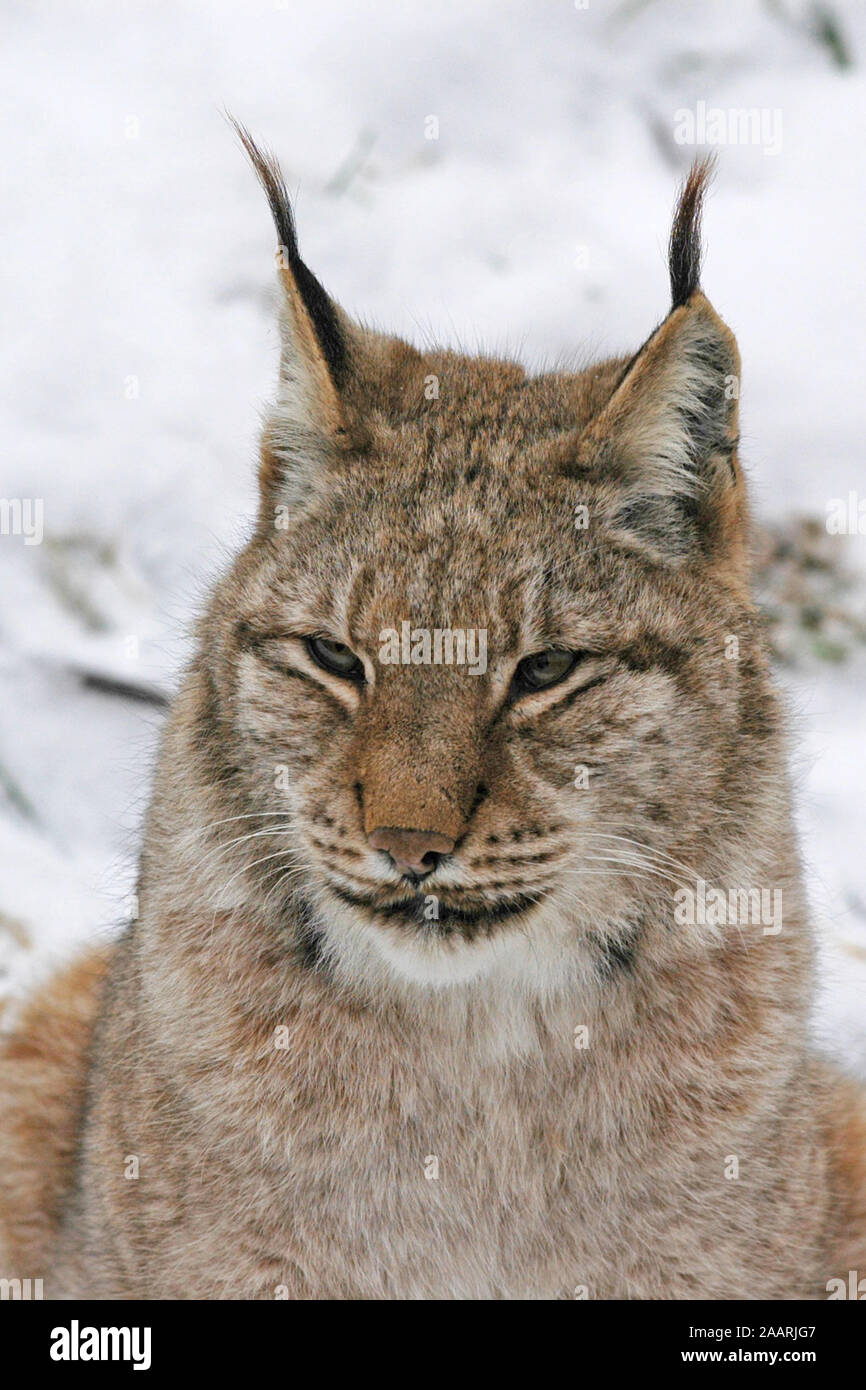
pixel 415 852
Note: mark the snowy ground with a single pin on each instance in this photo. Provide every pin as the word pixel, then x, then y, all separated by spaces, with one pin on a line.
pixel 139 342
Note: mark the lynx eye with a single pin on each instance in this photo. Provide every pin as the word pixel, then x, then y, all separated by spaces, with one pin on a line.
pixel 543 669
pixel 335 657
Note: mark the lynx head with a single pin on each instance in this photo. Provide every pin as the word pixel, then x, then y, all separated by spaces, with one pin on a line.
pixel 473 675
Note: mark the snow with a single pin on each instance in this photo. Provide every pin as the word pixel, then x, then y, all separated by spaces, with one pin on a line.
pixel 140 342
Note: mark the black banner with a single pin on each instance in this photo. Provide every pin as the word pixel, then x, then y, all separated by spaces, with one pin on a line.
pixel 150 1338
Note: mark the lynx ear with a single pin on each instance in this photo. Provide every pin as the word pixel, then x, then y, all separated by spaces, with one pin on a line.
pixel 311 413
pixel 668 434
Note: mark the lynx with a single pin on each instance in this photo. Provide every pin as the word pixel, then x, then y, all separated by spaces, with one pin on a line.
pixel 406 1012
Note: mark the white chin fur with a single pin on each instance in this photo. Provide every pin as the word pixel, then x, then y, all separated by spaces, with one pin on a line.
pixel 526 949
pixel 440 960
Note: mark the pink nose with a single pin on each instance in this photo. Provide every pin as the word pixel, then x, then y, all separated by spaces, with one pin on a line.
pixel 413 851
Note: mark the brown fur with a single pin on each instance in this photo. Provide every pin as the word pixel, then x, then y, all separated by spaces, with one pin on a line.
pixel 44 1075
pixel 519 1076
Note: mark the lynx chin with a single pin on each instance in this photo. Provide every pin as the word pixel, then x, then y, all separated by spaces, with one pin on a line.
pixel 287 1035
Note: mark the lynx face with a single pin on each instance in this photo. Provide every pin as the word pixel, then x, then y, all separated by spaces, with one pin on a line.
pixel 473 673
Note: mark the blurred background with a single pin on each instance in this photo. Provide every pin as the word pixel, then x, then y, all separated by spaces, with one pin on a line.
pixel 496 175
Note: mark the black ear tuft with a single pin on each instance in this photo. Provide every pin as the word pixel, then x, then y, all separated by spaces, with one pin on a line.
pixel 270 176
pixel 684 250
pixel 318 305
